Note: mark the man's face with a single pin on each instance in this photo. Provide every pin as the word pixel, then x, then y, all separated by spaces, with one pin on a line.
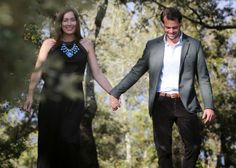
pixel 172 29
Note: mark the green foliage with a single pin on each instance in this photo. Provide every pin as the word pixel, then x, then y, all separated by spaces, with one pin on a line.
pixel 122 42
pixel 20 34
pixel 32 34
pixel 14 133
pixel 109 134
pixel 123 138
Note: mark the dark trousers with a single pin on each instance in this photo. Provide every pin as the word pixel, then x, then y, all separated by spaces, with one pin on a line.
pixel 166 112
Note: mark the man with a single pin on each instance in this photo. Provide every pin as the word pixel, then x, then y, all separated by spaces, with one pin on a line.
pixel 174 61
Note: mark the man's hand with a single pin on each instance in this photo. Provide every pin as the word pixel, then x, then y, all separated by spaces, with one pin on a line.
pixel 114 102
pixel 208 115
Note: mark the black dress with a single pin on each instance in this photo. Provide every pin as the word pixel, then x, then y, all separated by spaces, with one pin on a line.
pixel 61 107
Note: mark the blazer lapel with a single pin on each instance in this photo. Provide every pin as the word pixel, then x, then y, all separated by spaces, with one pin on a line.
pixel 156 58
pixel 155 64
pixel 159 53
pixel 185 48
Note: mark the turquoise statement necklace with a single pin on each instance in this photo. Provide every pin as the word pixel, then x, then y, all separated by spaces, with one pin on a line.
pixel 70 52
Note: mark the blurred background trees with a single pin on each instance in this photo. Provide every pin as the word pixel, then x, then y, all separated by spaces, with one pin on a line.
pixel 120 30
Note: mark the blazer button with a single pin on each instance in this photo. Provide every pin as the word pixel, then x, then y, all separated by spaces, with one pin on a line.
pixel 181 85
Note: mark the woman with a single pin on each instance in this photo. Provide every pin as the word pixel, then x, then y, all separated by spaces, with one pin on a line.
pixel 60 112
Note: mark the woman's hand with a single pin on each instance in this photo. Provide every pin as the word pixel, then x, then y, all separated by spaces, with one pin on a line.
pixel 28 103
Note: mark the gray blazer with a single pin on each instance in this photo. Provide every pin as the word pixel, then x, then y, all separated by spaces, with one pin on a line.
pixel 192 67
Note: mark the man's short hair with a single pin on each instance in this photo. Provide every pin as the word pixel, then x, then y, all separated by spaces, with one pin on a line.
pixel 172 14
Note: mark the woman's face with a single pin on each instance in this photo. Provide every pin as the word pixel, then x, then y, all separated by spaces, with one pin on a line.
pixel 68 24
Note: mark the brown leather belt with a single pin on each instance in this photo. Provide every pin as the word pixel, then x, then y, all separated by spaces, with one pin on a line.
pixel 171 95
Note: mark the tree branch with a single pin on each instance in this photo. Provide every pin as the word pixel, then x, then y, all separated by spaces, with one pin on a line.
pixel 198 21
pixel 100 16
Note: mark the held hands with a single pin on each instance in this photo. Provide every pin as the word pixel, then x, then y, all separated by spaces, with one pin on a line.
pixel 208 115
pixel 114 102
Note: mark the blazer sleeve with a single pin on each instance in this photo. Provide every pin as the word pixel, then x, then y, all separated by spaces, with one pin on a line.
pixel 133 76
pixel 204 79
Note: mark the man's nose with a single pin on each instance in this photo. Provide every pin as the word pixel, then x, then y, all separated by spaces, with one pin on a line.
pixel 171 30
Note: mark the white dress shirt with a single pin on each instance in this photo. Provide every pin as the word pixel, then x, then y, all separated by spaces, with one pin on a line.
pixel 169 79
